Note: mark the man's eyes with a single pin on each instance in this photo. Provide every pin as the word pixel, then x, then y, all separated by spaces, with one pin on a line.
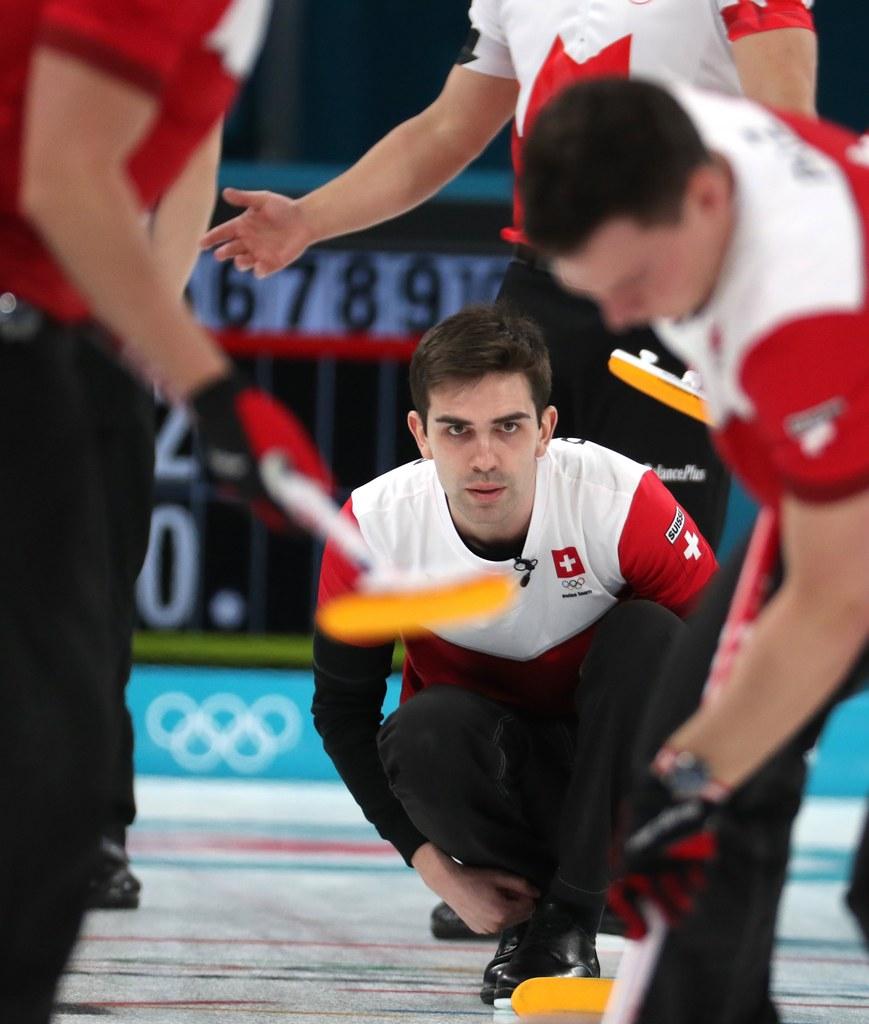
pixel 459 429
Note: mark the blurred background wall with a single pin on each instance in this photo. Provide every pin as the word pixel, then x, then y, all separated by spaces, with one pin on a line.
pixel 337 74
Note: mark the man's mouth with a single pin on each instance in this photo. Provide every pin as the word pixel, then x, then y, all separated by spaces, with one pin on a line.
pixel 486 492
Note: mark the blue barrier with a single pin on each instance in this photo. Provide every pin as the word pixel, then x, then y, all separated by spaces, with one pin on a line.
pixel 228 723
pixel 255 723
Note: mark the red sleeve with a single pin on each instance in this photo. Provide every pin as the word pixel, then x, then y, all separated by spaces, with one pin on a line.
pixel 747 17
pixel 337 575
pixel 809 383
pixel 140 41
pixel 662 555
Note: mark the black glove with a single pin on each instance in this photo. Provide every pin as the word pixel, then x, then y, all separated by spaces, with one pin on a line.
pixel 670 845
pixel 238 425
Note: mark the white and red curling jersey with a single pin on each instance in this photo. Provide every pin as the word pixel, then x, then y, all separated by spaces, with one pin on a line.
pixel 189 55
pixel 546 46
pixel 782 345
pixel 603 528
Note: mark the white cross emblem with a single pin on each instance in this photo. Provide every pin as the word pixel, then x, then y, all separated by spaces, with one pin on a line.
pixel 567 563
pixel 859 152
pixel 692 545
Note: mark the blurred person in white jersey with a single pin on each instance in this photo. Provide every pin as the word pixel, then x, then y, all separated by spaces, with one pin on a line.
pixel 498 776
pixel 742 235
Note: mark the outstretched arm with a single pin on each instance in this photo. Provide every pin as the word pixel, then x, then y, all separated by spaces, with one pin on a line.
pixel 405 168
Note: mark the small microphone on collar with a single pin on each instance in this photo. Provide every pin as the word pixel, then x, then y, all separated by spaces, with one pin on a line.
pixel 526 565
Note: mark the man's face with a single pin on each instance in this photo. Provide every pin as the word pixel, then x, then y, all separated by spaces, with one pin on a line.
pixel 485 440
pixel 637 274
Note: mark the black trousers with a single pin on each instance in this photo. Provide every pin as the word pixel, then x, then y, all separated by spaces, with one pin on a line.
pixel 594 405
pixel 497 787
pixel 716 967
pixel 123 414
pixel 57 721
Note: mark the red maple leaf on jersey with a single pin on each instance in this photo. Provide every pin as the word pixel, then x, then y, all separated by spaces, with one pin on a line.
pixel 558 71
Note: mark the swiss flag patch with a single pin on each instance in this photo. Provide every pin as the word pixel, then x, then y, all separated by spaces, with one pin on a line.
pixel 567 563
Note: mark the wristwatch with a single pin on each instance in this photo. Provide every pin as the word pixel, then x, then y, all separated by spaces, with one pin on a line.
pixel 688 776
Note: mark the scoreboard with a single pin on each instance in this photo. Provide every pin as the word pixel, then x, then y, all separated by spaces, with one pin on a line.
pixel 333 292
pixel 210 566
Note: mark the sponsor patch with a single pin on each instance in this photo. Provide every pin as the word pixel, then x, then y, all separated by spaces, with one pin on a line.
pixel 675 528
pixel 687 474
pixel 813 429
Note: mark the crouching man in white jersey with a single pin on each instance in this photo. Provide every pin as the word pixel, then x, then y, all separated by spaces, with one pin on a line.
pixel 742 235
pixel 498 776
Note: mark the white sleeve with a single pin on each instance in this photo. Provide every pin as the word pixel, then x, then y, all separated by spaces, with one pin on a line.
pixel 486 50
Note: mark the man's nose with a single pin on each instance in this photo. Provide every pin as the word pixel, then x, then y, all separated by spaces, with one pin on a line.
pixel 484 458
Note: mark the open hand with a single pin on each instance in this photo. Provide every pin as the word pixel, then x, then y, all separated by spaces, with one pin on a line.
pixel 269 235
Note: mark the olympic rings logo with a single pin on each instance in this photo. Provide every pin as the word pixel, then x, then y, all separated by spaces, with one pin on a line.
pixel 575 583
pixel 223 728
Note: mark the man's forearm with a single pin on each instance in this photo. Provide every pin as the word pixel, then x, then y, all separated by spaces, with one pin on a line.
pixel 407 166
pixel 797 656
pixel 417 158
pixel 183 214
pixel 349 689
pixel 779 68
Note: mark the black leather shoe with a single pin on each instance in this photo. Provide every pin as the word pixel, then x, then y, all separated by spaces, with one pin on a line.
pixel 113 886
pixel 553 946
pixel 510 939
pixel 446 924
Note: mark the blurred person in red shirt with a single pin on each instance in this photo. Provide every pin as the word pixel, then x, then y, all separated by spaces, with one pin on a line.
pixel 104 105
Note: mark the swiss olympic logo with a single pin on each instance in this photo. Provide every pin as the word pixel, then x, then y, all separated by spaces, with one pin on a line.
pixel 223 728
pixel 567 562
